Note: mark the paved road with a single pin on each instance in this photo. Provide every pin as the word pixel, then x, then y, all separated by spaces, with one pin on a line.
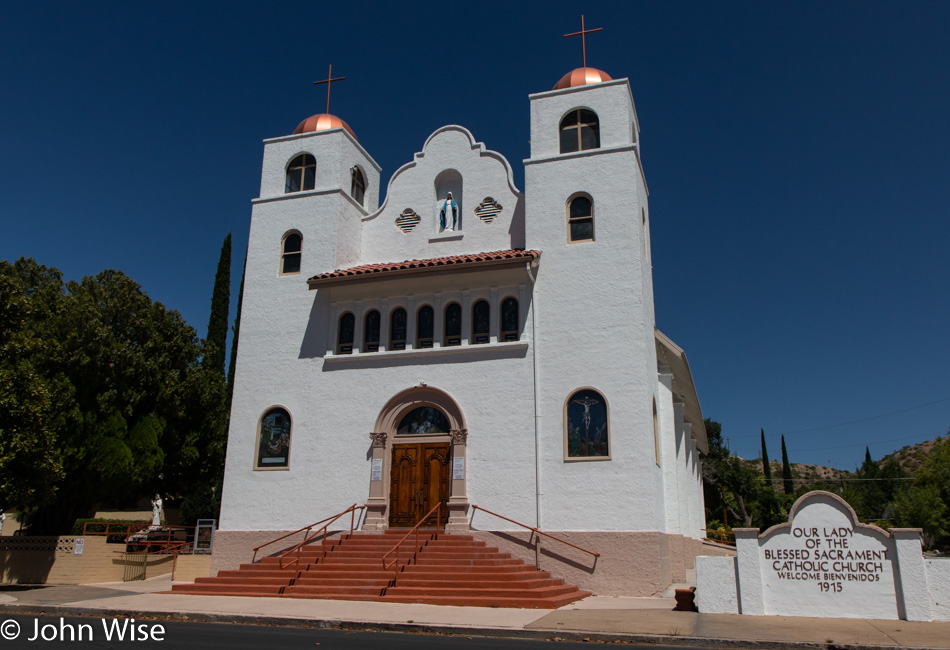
pixel 89 632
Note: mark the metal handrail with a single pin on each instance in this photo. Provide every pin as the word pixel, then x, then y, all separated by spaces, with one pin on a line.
pixel 352 510
pixel 720 536
pixel 537 530
pixel 305 528
pixel 438 516
pixel 126 525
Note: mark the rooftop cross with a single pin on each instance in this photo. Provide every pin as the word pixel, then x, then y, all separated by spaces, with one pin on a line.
pixel 583 34
pixel 329 80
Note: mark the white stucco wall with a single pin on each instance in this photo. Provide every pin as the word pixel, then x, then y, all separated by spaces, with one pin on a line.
pixel 716 590
pixel 938 581
pixel 592 304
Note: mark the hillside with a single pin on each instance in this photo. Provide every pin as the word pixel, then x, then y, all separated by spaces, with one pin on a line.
pixel 910 458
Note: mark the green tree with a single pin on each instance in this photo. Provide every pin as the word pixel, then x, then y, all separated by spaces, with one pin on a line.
pixel 216 342
pixel 119 404
pixel 766 467
pixel 236 331
pixel 729 484
pixel 787 482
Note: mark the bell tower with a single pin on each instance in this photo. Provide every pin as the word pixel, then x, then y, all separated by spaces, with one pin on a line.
pixel 586 210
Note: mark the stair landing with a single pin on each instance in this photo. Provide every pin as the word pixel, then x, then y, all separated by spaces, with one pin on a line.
pixel 447 570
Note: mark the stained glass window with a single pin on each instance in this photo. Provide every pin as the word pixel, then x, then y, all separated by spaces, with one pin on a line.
pixel 509 320
pixel 480 315
pixel 371 332
pixel 453 324
pixel 397 329
pixel 345 336
pixel 424 327
pixel 587 425
pixel 425 419
pixel 274 442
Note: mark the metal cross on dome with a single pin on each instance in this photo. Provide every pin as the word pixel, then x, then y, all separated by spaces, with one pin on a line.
pixel 583 33
pixel 328 81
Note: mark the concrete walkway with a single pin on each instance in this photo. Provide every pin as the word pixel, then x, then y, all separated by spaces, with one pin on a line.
pixel 601 618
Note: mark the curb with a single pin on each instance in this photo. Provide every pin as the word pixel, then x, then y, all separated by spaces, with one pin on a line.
pixel 446 630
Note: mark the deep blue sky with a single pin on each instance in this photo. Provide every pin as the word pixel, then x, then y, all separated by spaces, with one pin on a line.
pixel 797 154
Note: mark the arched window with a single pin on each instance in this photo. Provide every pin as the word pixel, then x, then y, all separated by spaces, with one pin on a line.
pixel 301 173
pixel 585 425
pixel 509 320
pixel 580 219
pixel 480 320
pixel 580 130
pixel 344 341
pixel 397 329
pixel 358 185
pixel 290 253
pixel 422 420
pixel 453 324
pixel 425 325
pixel 273 440
pixel 371 332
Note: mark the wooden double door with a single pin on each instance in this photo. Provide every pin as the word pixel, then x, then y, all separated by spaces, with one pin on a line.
pixel 420 480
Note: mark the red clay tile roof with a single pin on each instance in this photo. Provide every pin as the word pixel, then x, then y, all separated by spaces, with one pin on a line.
pixel 491 258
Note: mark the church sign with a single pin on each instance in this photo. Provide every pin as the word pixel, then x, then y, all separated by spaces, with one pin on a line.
pixel 823 562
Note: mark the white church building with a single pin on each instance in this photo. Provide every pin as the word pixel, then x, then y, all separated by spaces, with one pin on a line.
pixel 464 343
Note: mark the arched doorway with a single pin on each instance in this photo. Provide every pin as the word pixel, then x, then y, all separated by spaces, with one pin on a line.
pixel 418 461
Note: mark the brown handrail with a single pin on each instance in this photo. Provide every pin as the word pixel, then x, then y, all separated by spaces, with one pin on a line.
pixel 437 509
pixel 720 536
pixel 305 528
pixel 352 510
pixel 538 531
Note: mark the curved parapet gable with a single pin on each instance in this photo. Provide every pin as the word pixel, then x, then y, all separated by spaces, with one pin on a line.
pixel 444 185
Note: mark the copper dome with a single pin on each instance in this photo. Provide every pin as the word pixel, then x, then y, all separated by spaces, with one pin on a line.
pixel 322 122
pixel 582 77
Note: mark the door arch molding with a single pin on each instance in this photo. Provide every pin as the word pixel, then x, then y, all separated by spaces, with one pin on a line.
pixel 384 439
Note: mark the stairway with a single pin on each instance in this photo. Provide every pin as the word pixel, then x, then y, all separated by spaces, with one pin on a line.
pixel 450 570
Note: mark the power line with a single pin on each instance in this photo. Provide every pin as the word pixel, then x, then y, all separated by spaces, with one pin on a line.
pixel 821 479
pixel 867 444
pixel 842 424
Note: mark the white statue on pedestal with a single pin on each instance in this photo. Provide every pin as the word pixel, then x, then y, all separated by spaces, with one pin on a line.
pixel 157 511
pixel 449 207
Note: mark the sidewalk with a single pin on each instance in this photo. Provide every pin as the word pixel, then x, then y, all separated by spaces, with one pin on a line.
pixel 598 618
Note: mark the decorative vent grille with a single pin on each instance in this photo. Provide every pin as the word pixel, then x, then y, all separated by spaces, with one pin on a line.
pixel 487 210
pixel 407 220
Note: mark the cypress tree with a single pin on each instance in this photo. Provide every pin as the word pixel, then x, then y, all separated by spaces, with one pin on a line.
pixel 765 460
pixel 234 341
pixel 217 337
pixel 786 470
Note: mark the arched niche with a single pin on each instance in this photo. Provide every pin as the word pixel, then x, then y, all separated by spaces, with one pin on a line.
pixel 448 181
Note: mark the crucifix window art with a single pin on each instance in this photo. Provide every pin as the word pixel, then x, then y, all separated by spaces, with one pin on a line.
pixel 586 425
pixel 273 445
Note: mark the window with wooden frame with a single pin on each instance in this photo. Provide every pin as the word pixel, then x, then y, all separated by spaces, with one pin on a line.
pixel 397 329
pixel 580 131
pixel 481 314
pixel 344 340
pixel 585 426
pixel 290 251
pixel 301 174
pixel 357 185
pixel 509 319
pixel 580 219
pixel 371 332
pixel 425 327
pixel 273 440
pixel 453 324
